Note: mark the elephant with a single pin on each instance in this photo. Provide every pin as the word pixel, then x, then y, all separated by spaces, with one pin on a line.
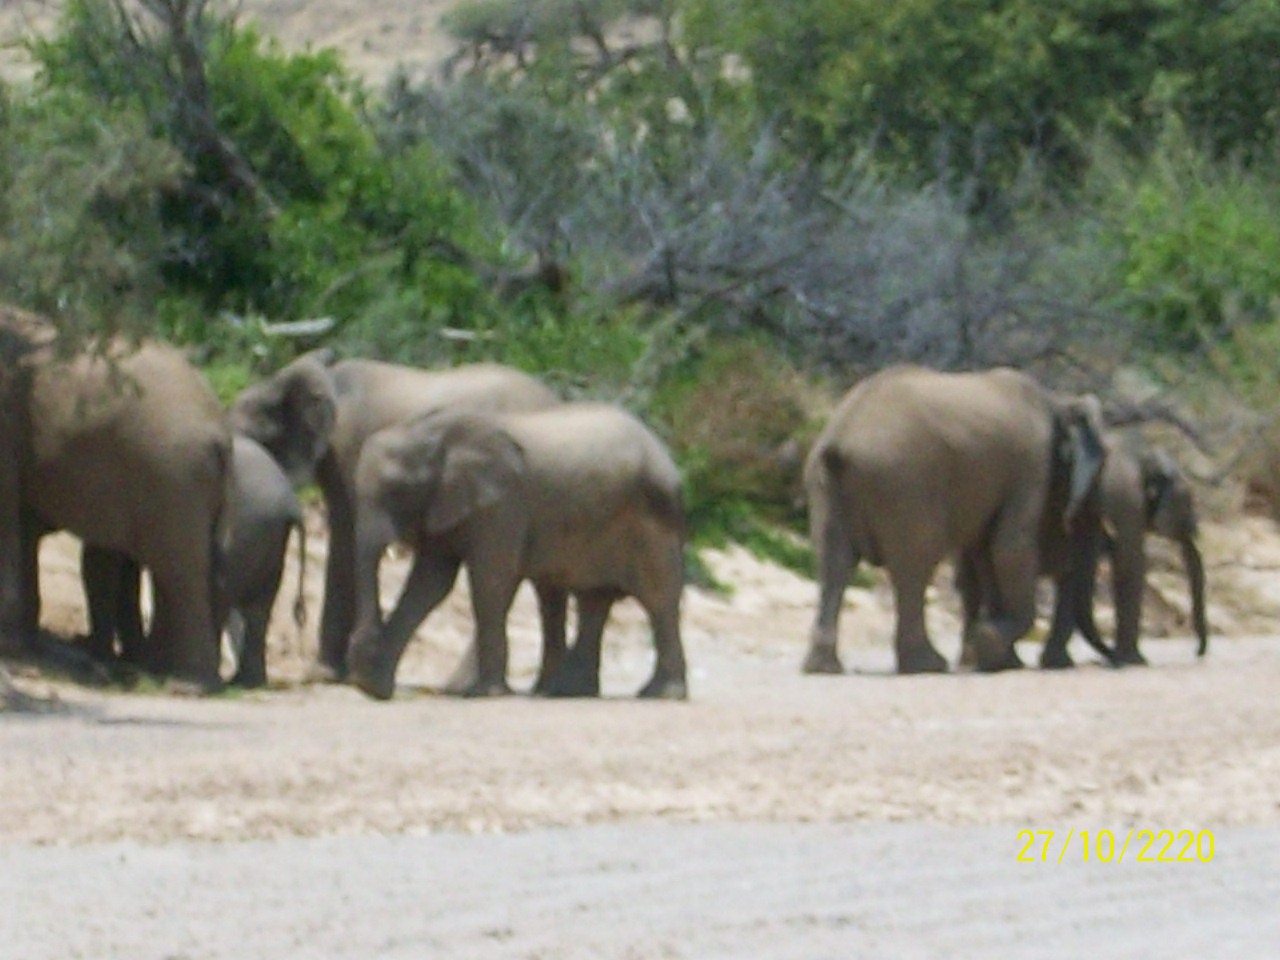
pixel 580 498
pixel 125 446
pixel 264 512
pixel 314 416
pixel 916 465
pixel 1142 491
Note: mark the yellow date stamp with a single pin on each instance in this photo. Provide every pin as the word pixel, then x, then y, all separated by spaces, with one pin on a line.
pixel 1115 846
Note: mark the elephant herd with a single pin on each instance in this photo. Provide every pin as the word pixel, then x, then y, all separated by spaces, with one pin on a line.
pixel 484 467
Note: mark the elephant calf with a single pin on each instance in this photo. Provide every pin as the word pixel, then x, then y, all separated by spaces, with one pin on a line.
pixel 1142 492
pixel 264 511
pixel 579 499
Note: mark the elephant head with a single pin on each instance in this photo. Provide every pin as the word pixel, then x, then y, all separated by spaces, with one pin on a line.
pixel 433 472
pixel 292 413
pixel 1171 513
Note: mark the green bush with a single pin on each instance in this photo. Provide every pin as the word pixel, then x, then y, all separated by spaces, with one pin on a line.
pixel 1199 246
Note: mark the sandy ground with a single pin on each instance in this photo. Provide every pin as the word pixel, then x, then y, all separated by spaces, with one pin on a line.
pixel 773 815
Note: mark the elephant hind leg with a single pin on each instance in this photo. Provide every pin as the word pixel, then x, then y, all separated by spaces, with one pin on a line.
pixel 915 653
pixel 579 673
pixel 837 559
pixel 1012 612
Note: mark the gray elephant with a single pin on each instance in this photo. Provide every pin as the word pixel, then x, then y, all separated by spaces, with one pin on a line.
pixel 314 416
pixel 915 466
pixel 1142 492
pixel 579 499
pixel 126 447
pixel 264 512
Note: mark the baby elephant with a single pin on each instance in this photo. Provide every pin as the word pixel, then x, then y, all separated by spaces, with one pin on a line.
pixel 264 511
pixel 579 499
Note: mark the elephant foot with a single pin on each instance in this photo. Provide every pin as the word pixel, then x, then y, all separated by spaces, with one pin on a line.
pixel 249 679
pixel 822 659
pixel 69 660
pixel 664 688
pixel 490 688
pixel 926 660
pixel 1130 658
pixel 179 687
pixel 1055 658
pixel 380 685
pixel 371 674
pixel 1008 661
pixel 570 680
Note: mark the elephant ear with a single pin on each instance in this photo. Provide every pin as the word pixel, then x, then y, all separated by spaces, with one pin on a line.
pixel 292 413
pixel 1170 505
pixel 482 464
pixel 1158 475
pixel 1085 450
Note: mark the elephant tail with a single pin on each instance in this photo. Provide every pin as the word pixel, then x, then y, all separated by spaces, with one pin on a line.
pixel 666 503
pixel 825 481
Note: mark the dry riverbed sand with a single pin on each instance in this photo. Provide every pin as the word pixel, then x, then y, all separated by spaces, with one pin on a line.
pixel 773 815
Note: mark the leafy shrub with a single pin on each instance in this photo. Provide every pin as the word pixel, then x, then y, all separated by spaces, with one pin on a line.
pixel 737 418
pixel 1199 245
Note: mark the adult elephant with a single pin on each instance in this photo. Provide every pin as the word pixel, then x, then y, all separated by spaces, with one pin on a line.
pixel 264 512
pixel 579 499
pixel 1142 491
pixel 314 416
pixel 126 447
pixel 915 466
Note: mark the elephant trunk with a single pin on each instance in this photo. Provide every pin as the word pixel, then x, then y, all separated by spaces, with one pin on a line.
pixel 1194 566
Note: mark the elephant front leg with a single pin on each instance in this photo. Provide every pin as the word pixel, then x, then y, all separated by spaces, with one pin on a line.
pixel 376 649
pixel 338 615
pixel 553 605
pixel 492 592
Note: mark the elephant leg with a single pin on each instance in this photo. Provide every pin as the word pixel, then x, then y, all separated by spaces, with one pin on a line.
pixel 493 588
pixel 374 656
pixel 14 638
pixel 669 671
pixel 1129 579
pixel 100 573
pixel 579 674
pixel 1055 655
pixel 915 654
pixel 1073 608
pixel 837 560
pixel 553 604
pixel 185 640
pixel 338 614
pixel 251 660
pixel 1014 568
pixel 972 582
pixel 128 617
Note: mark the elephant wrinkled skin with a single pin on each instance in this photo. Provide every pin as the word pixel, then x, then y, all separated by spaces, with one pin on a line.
pixel 915 466
pixel 579 499
pixel 127 448
pixel 314 416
